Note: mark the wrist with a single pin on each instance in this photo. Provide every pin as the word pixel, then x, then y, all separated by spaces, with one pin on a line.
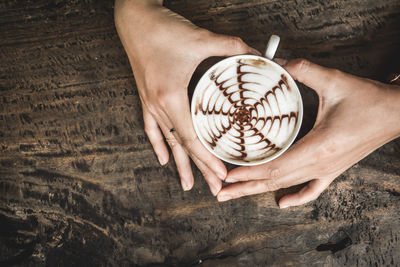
pixel 137 9
pixel 137 3
pixel 396 100
pixel 392 105
pixel 134 19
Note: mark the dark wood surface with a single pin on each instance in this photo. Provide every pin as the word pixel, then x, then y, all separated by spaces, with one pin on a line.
pixel 80 184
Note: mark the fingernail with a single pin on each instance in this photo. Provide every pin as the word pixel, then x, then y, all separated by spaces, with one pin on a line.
pixel 215 190
pixel 185 186
pixel 283 205
pixel 162 160
pixel 221 175
pixel 230 180
pixel 222 198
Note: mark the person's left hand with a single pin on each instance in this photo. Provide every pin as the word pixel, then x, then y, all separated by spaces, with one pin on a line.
pixel 355 117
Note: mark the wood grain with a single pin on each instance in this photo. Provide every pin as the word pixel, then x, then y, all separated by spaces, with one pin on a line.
pixel 79 181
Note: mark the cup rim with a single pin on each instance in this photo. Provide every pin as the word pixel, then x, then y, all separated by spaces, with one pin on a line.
pixel 264 160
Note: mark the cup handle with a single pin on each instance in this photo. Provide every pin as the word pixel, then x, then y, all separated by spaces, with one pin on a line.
pixel 272 46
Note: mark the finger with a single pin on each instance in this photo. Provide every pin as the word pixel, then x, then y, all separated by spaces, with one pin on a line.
pixel 312 75
pixel 155 136
pixel 183 165
pixel 212 180
pixel 223 45
pixel 181 158
pixel 241 189
pixel 185 134
pixel 308 193
pixel 182 162
pixel 293 163
pixel 197 150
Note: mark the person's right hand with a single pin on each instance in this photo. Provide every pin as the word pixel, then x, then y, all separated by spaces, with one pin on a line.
pixel 164 50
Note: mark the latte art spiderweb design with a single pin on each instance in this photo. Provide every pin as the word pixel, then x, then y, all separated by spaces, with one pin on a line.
pixel 247 111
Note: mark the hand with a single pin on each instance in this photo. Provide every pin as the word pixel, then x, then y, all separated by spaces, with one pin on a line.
pixel 355 117
pixel 164 50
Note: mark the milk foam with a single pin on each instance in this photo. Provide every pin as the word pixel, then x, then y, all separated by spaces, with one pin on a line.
pixel 246 109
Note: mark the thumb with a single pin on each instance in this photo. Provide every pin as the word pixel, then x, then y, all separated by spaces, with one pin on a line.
pixel 224 45
pixel 312 75
pixel 308 193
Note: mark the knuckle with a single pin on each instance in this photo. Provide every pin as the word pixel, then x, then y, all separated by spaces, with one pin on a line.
pixel 236 42
pixel 302 65
pixel 326 169
pixel 166 98
pixel 205 40
pixel 151 131
pixel 188 142
pixel 172 142
pixel 246 173
pixel 143 95
pixel 162 97
pixel 271 185
pixel 150 82
pixel 152 109
pixel 321 154
pixel 240 193
pixel 335 78
pixel 326 149
pixel 203 34
pixel 336 74
pixel 274 173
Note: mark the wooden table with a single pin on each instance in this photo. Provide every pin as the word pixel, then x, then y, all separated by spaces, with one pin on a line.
pixel 80 183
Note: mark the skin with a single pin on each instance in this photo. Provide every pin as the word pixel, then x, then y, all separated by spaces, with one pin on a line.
pixel 164 50
pixel 355 117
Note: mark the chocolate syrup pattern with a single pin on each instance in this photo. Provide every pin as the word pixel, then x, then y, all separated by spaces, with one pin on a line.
pixel 245 115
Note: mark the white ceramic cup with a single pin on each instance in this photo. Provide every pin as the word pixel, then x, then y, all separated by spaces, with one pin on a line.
pixel 247 110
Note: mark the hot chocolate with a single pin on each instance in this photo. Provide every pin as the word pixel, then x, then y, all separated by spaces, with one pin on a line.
pixel 246 110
